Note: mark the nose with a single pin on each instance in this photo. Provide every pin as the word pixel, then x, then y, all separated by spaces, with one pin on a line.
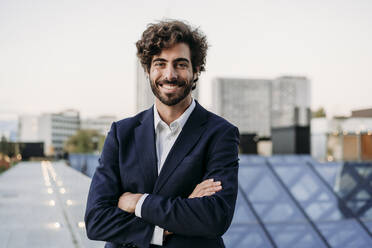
pixel 170 73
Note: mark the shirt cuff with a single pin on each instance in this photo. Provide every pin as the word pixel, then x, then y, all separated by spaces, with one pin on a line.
pixel 137 211
pixel 157 236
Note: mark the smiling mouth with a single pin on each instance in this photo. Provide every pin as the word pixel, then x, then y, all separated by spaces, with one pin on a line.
pixel 169 86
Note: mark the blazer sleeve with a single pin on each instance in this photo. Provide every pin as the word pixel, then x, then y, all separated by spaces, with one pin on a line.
pixel 208 216
pixel 103 219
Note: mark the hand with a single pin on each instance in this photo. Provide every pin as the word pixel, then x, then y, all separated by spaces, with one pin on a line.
pixel 166 233
pixel 128 201
pixel 206 188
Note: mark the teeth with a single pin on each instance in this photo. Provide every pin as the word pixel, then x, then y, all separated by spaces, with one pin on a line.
pixel 169 87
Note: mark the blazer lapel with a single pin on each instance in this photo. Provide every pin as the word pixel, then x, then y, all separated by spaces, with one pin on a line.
pixel 144 136
pixel 186 140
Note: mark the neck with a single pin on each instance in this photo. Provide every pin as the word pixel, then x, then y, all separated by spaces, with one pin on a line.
pixel 171 113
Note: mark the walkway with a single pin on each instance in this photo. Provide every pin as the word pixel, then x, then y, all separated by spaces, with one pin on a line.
pixel 42 204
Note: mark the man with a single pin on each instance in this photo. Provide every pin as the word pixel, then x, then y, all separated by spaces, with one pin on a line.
pixel 167 176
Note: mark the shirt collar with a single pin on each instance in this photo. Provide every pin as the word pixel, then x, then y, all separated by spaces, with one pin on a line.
pixel 181 121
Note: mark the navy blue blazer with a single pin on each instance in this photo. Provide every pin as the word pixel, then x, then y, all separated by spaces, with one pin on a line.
pixel 207 147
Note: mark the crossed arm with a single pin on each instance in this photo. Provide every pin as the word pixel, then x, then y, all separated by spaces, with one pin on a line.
pixel 128 201
pixel 208 216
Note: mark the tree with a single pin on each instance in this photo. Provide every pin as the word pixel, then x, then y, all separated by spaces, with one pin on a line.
pixel 84 141
pixel 6 147
pixel 320 112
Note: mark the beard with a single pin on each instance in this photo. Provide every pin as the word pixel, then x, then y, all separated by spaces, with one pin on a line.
pixel 171 99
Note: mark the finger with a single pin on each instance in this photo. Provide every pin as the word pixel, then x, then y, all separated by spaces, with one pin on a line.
pixel 207 193
pixel 207 184
pixel 216 189
pixel 200 193
pixel 212 188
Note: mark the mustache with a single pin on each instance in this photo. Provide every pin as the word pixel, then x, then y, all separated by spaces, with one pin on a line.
pixel 175 82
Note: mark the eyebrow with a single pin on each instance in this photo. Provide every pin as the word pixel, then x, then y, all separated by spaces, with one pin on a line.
pixel 182 60
pixel 159 59
pixel 176 60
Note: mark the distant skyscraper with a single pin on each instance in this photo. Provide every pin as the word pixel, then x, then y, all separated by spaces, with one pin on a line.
pixel 145 97
pixel 290 102
pixel 290 125
pixel 244 102
pixel 263 107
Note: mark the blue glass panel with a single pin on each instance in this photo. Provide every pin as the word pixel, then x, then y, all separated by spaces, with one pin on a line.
pixel 243 236
pixel 296 235
pixel 289 159
pixel 320 204
pixel 368 225
pixel 317 200
pixel 345 234
pixel 245 230
pixel 284 221
pixel 329 171
pixel 246 160
pixel 355 188
pixel 267 196
pixel 242 214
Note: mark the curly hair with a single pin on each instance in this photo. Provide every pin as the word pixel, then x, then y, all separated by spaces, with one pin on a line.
pixel 168 33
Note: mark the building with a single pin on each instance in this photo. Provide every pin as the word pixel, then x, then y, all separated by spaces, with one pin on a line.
pixel 291 114
pixel 342 139
pixel 102 123
pixel 362 113
pixel 244 102
pixel 53 129
pixel 276 109
pixel 145 97
pixel 28 128
pixel 56 128
pixel 290 102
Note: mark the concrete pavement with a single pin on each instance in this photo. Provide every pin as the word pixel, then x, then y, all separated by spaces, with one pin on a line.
pixel 42 204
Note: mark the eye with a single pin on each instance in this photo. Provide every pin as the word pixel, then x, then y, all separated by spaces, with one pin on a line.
pixel 182 65
pixel 159 64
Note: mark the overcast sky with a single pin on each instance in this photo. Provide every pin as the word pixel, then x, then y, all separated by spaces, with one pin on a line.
pixel 81 54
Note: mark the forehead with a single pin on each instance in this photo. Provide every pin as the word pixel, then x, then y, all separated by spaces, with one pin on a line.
pixel 179 50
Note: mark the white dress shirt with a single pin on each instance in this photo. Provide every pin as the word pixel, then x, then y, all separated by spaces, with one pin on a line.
pixel 165 137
